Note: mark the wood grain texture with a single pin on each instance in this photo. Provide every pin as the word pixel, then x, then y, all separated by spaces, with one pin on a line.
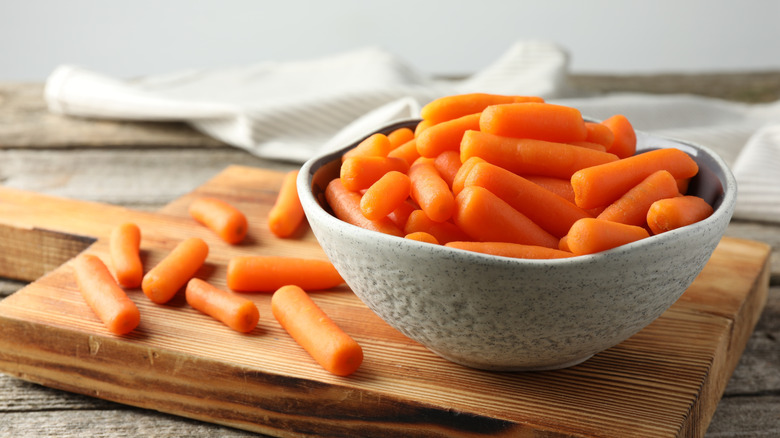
pixel 665 381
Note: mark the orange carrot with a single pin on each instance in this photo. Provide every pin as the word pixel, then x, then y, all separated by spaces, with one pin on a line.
pixel 682 185
pixel 528 156
pixel 175 270
pixel 430 191
pixel 313 330
pixel 268 273
pixel 376 145
pixel 233 310
pixel 600 185
pixel 599 133
pixel 463 172
pixel 487 218
pixel 104 296
pixel 451 107
pixel 589 145
pixel 624 141
pixel 286 215
pixel 125 245
pixel 443 231
pixel 448 163
pixel 400 136
pixel 407 152
pixel 563 244
pixel 591 235
pixel 359 173
pixel 515 250
pixel 540 121
pixel 631 208
pixel 546 209
pixel 559 186
pixel 228 222
pixel 672 213
pixel 445 136
pixel 422 236
pixel 422 126
pixel 385 195
pixel 400 215
pixel 346 206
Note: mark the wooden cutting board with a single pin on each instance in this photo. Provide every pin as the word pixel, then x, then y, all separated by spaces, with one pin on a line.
pixel 663 382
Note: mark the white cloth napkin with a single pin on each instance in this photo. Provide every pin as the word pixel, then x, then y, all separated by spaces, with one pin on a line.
pixel 293 110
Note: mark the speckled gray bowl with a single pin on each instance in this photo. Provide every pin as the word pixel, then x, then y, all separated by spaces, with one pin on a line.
pixel 505 314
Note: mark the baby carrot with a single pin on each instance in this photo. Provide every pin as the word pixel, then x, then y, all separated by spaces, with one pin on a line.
pixel 376 145
pixel 559 186
pixel 672 213
pixel 487 218
pixel 286 215
pixel 591 235
pixel 448 163
pixel 599 133
pixel 540 121
pixel 515 250
pixel 233 310
pixel 175 270
pixel 228 222
pixel 546 209
pixel 358 173
pixel 407 152
pixel 529 156
pixel 682 185
pixel 400 215
pixel 313 330
pixel 451 107
pixel 268 273
pixel 104 296
pixel 400 136
pixel 430 191
pixel 443 231
pixel 422 236
pixel 600 185
pixel 125 244
pixel 624 137
pixel 385 195
pixel 422 126
pixel 346 206
pixel 463 172
pixel 631 208
pixel 445 136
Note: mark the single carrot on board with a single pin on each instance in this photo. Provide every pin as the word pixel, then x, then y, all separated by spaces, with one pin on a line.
pixel 529 156
pixel 672 213
pixel 599 133
pixel 515 250
pixel 546 209
pixel 463 172
pixel 346 206
pixel 162 282
pixel 104 295
pixel 451 107
pixel 286 215
pixel 124 247
pixel 422 236
pixel 430 191
pixel 631 208
pixel 487 218
pixel 228 222
pixel 385 195
pixel 233 310
pixel 444 232
pixel 358 173
pixel 407 152
pixel 591 235
pixel 375 145
pixel 318 334
pixel 600 185
pixel 268 273
pixel 624 137
pixel 400 136
pixel 445 136
pixel 540 121
pixel 448 163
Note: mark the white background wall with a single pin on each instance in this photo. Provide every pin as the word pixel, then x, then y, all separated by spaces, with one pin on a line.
pixel 138 37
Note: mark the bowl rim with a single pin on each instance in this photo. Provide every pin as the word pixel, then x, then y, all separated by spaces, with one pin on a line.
pixel 724 206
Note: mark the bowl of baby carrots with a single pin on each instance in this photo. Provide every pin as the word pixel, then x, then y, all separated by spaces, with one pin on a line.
pixel 508 233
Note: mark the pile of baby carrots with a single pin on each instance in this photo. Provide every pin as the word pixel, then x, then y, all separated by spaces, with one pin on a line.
pixel 288 278
pixel 514 176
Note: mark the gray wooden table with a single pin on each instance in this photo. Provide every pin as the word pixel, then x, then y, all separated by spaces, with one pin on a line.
pixel 99 160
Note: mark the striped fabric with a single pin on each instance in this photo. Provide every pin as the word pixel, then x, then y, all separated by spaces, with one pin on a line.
pixel 757 171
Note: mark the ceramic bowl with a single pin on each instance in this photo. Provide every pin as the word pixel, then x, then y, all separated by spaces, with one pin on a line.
pixel 505 314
